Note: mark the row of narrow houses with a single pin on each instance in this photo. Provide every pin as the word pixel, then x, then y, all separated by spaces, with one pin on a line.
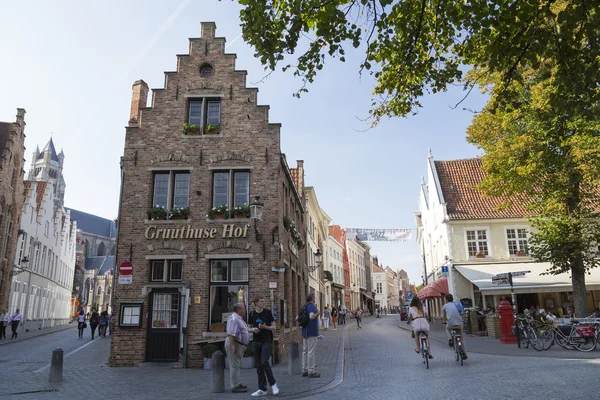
pixel 467 239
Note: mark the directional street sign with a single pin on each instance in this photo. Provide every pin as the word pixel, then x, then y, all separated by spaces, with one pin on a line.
pixel 520 273
pixel 501 276
pixel 499 281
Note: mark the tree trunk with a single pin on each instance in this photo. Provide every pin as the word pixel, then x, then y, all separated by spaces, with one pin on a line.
pixel 579 292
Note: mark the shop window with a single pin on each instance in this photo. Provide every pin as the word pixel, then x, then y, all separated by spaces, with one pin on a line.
pixel 204 112
pixel 131 314
pixel 166 270
pixel 517 242
pixel 171 189
pixel 231 188
pixel 477 243
pixel 228 286
pixel 165 310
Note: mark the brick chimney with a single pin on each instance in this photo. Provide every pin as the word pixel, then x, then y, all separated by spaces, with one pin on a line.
pixel 300 169
pixel 139 97
pixel 207 30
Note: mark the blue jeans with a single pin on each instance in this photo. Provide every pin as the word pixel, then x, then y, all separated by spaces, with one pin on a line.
pixel 262 352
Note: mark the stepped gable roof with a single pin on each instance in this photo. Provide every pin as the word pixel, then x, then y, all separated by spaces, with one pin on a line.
pixel 93 224
pixel 294 173
pixel 50 148
pixel 458 179
pixel 40 191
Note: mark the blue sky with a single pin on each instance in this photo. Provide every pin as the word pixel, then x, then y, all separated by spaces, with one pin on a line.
pixel 71 65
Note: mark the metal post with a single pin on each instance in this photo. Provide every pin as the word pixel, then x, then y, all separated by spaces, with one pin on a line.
pixel 56 366
pixel 294 360
pixel 512 293
pixel 217 373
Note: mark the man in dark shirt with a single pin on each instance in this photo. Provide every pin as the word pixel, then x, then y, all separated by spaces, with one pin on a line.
pixel 263 326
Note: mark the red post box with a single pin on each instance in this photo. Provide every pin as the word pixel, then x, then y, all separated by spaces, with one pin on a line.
pixel 507 320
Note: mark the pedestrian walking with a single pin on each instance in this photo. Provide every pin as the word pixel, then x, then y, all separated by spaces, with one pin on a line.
pixel 94 322
pixel 342 314
pixel 4 317
pixel 334 317
pixel 15 319
pixel 326 317
pixel 263 326
pixel 358 316
pixel 81 322
pixel 103 324
pixel 308 318
pixel 235 345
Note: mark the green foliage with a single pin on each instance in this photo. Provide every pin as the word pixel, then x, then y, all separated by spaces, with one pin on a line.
pixel 209 350
pixel 290 226
pixel 222 209
pixel 190 128
pixel 157 212
pixel 242 210
pixel 211 128
pixel 179 211
pixel 415 47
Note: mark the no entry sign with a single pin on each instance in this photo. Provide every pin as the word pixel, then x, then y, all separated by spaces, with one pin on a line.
pixel 125 268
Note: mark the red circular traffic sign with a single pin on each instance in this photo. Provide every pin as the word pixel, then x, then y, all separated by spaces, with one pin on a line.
pixel 125 268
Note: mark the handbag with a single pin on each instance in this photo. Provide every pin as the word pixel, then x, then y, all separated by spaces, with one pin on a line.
pixel 84 325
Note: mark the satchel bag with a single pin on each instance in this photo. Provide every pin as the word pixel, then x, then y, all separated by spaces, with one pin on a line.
pixel 84 325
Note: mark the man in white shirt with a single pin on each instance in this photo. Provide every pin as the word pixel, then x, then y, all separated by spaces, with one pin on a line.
pixel 15 320
pixel 454 321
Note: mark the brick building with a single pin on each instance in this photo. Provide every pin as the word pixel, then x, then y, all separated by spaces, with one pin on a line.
pixel 12 150
pixel 191 265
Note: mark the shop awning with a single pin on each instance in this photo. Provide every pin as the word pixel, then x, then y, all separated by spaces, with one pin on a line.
pixel 434 289
pixel 533 282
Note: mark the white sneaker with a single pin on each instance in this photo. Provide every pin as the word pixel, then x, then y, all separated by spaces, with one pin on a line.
pixel 259 393
pixel 275 389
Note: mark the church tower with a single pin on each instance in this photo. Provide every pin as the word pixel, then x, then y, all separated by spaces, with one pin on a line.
pixel 46 165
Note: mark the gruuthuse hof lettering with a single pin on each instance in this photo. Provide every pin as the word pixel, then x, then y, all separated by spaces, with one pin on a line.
pixel 187 232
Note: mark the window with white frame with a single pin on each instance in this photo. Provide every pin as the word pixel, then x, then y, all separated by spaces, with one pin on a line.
pixel 517 241
pixel 477 242
pixel 379 288
pixel 171 189
pixel 228 285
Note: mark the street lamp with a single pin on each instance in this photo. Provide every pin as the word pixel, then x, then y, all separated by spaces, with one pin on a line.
pixel 318 259
pixel 256 212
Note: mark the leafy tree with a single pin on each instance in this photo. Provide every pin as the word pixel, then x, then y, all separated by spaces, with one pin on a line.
pixel 542 148
pixel 418 46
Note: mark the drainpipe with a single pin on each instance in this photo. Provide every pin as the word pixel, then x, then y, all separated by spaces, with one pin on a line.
pixel 184 332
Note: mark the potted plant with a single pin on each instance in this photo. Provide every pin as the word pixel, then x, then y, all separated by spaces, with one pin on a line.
pixel 191 129
pixel 179 213
pixel 219 212
pixel 248 358
pixel 157 212
pixel 209 350
pixel 218 327
pixel 480 254
pixel 241 211
pixel 521 253
pixel 211 129
pixel 278 266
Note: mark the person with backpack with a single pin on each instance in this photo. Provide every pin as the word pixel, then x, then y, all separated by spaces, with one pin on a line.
pixel 308 319
pixel 263 326
pixel 453 317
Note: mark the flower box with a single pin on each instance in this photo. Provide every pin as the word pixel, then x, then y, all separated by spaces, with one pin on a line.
pixel 521 253
pixel 191 129
pixel 480 254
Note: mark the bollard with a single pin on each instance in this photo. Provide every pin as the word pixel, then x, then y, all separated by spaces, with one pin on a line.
pixel 217 373
pixel 294 360
pixel 56 366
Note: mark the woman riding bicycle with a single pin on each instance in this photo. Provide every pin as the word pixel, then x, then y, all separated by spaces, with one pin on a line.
pixel 418 316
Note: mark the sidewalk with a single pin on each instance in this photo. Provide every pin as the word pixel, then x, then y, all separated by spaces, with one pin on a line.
pixel 486 345
pixel 34 333
pixel 90 365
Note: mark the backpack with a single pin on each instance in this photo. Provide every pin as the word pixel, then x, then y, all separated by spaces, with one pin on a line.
pixel 460 307
pixel 303 317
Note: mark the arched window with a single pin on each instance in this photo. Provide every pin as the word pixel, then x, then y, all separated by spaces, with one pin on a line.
pixel 206 70
pixel 101 250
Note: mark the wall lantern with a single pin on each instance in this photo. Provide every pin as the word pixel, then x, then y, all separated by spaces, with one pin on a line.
pixel 256 209
pixel 318 260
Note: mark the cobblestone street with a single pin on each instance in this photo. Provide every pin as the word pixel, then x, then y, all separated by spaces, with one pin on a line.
pixel 379 364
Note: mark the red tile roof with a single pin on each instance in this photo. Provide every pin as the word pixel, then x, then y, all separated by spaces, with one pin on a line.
pixel 41 189
pixel 294 173
pixel 458 179
pixel 377 268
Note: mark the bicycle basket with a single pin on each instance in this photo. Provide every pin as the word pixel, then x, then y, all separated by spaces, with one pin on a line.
pixel 585 331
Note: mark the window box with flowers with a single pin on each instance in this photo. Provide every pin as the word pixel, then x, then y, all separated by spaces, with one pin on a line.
pixel 241 211
pixel 219 212
pixel 290 226
pixel 157 213
pixel 278 266
pixel 211 129
pixel 521 253
pixel 179 213
pixel 192 129
pixel 480 254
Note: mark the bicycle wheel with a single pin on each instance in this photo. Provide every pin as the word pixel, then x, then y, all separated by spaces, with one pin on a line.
pixel 523 339
pixel 426 360
pixel 460 354
pixel 547 338
pixel 563 341
pixel 534 341
pixel 587 343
